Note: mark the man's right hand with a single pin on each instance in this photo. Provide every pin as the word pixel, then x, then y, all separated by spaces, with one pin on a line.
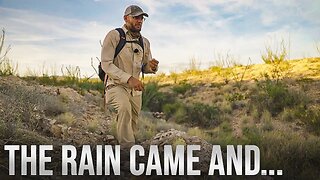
pixel 135 84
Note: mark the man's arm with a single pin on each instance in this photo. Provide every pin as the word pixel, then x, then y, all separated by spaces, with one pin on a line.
pixel 150 65
pixel 107 55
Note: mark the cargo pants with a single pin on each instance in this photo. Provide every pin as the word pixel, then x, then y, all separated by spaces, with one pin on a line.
pixel 128 108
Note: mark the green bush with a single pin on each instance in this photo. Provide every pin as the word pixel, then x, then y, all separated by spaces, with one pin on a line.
pixel 203 115
pixel 310 117
pixel 197 114
pixel 275 97
pixel 175 110
pixel 81 85
pixel 53 107
pixel 235 97
pixel 8 68
pixel 182 88
pixel 297 156
pixel 153 100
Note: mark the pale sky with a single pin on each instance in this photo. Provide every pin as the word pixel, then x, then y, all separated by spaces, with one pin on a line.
pixel 53 33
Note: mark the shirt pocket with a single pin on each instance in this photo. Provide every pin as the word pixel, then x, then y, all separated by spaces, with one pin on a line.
pixel 138 56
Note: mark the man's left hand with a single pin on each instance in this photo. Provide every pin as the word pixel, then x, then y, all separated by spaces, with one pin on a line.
pixel 153 64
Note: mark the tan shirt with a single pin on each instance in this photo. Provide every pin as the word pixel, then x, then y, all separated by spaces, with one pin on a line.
pixel 127 63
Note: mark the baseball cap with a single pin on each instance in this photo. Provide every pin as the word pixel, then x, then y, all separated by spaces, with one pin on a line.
pixel 135 10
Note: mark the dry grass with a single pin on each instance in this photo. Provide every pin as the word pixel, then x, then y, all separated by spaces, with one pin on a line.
pixel 66 118
pixel 307 68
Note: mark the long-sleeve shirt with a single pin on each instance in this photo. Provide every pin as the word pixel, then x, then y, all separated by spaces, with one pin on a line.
pixel 128 62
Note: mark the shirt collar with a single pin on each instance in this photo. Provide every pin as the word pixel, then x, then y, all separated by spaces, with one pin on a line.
pixel 127 32
pixel 124 29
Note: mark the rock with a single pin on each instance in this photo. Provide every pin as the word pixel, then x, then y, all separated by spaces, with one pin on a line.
pixel 158 115
pixel 109 139
pixel 52 121
pixel 175 137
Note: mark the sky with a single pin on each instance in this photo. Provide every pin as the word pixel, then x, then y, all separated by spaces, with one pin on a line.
pixel 49 34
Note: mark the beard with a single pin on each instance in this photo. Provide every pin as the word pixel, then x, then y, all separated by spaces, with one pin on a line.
pixel 133 29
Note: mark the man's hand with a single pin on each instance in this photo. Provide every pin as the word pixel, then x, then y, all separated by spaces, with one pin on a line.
pixel 135 84
pixel 153 64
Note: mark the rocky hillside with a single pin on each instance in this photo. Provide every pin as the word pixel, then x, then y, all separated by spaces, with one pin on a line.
pixel 274 107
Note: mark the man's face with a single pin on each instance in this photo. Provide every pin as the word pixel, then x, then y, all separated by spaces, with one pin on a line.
pixel 134 23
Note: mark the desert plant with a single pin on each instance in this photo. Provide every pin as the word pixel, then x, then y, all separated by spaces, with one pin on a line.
pixel 275 96
pixel 71 73
pixel 176 111
pixel 66 118
pixel 174 76
pixel 296 155
pixel 153 100
pixel 193 64
pixel 53 107
pixel 277 60
pixel 317 45
pixel 196 114
pixel 275 56
pixel 92 126
pixel 225 64
pixel 203 115
pixel 182 88
pixel 266 120
pixel 3 52
pixel 287 114
pixel 7 67
pixel 238 76
pixel 311 118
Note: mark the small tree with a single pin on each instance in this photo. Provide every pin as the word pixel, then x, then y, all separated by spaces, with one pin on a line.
pixel 3 55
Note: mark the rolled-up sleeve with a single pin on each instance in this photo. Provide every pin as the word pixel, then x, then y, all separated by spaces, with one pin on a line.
pixel 147 58
pixel 107 56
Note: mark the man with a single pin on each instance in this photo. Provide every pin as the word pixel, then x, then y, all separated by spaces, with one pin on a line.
pixel 124 89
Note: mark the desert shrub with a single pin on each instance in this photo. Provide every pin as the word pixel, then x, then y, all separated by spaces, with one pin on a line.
pixel 277 60
pixel 310 117
pixel 176 111
pixel 273 56
pixel 199 133
pixel 182 88
pixel 266 120
pixel 23 104
pixel 174 76
pixel 18 103
pixel 225 107
pixel 237 96
pixel 275 96
pixel 251 135
pixel 7 67
pixel 203 115
pixel 149 127
pixel 297 156
pixel 66 118
pixel 225 126
pixel 153 100
pixel 53 107
pixel 197 114
pixel 287 114
pixel 93 126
